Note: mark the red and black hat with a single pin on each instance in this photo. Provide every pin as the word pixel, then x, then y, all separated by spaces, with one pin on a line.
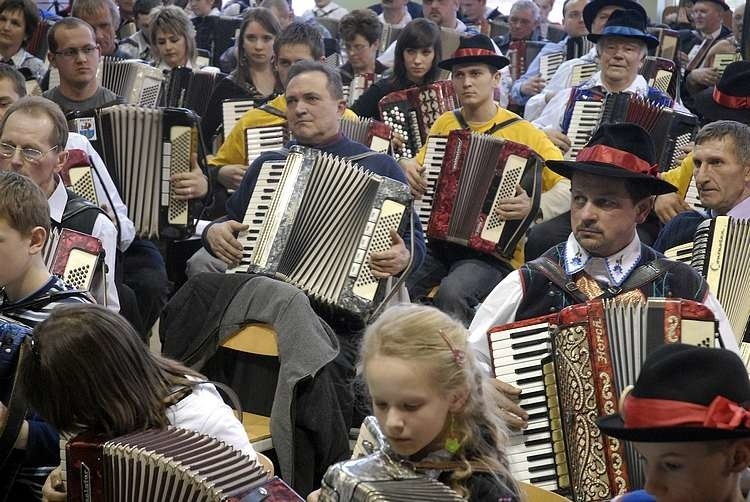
pixel 476 49
pixel 627 23
pixel 624 151
pixel 685 393
pixel 593 8
pixel 729 99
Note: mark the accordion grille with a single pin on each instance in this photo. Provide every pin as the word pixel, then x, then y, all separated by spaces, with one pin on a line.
pixel 82 183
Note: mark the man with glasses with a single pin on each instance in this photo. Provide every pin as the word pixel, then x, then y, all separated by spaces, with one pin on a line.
pixel 74 52
pixel 523 22
pixel 33 135
pixel 360 32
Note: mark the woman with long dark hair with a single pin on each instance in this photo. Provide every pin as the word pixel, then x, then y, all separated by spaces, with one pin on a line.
pixel 255 77
pixel 89 370
pixel 416 58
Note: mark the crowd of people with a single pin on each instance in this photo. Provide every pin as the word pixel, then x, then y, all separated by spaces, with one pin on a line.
pixel 596 220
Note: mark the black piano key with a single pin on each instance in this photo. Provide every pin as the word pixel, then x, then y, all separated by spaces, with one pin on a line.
pixel 527 355
pixel 541 456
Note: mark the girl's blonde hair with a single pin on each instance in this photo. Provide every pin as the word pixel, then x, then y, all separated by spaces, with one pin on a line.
pixel 421 333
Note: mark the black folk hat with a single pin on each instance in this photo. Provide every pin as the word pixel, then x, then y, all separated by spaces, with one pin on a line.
pixel 685 393
pixel 628 23
pixel 624 151
pixel 720 3
pixel 476 49
pixel 729 99
pixel 592 8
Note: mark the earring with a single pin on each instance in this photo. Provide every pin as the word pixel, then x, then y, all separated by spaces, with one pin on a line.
pixel 452 441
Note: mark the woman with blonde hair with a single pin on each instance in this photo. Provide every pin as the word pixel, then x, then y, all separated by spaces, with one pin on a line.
pixel 172 38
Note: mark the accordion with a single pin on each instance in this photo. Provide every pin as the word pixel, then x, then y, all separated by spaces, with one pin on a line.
pixel 571 368
pixel 468 175
pixel 185 88
pixel 411 112
pixel 357 87
pixel 576 47
pixel 75 257
pixel 721 61
pixel 77 176
pixel 139 83
pixel 373 134
pixel 314 221
pixel 232 110
pixel 549 64
pixel 390 34
pixel 521 53
pixel 662 74
pixel 669 128
pixel 143 148
pixel 172 464
pixel 669 43
pixel 719 253
pixel 259 140
pixel 379 475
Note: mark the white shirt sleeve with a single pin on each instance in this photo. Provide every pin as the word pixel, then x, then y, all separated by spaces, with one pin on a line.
pixel 388 57
pixel 725 329
pixel 105 188
pixel 498 308
pixel 556 200
pixel 205 412
pixel 552 115
pixel 105 231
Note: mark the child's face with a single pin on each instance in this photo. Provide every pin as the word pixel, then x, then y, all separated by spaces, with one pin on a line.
pixel 411 410
pixel 14 254
pixel 691 471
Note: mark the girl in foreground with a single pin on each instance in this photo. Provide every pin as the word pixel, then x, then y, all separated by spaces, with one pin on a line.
pixel 433 402
pixel 89 370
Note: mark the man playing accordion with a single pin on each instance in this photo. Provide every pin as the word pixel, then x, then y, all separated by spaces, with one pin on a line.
pixel 612 181
pixel 466 276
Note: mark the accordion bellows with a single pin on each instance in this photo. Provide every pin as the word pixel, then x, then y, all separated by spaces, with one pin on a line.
pixel 158 465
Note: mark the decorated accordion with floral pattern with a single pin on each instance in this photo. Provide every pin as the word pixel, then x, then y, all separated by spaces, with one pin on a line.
pixel 572 367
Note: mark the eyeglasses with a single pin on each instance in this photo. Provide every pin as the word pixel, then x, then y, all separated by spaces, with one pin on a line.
pixel 30 155
pixel 73 52
pixel 357 48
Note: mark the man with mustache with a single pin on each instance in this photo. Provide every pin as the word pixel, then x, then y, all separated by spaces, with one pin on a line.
pixel 612 184
pixel 466 276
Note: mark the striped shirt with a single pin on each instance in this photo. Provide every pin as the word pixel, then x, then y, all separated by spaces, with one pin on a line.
pixel 33 315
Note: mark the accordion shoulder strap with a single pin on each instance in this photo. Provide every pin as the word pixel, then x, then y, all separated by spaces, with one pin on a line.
pixel 272 110
pixel 557 276
pixel 645 274
pixel 489 132
pixel 360 156
pixel 450 465
pixel 10 459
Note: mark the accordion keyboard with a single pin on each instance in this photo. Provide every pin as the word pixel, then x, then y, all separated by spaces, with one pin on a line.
pixel 549 63
pixel 263 139
pixel 433 161
pixel 232 110
pixel 583 121
pixel 517 354
pixel 582 72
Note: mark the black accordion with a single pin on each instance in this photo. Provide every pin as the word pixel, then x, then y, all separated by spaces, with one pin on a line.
pixel 572 367
pixel 588 108
pixel 185 88
pixel 143 148
pixel 375 473
pixel 577 47
pixel 467 176
pixel 411 112
pixel 159 465
pixel 314 220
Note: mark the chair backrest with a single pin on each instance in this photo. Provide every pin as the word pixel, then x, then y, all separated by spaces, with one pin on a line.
pixel 537 494
pixel 254 338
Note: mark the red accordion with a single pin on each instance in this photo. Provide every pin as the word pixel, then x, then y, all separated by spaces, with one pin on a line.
pixel 476 173
pixel 411 112
pixel 571 368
